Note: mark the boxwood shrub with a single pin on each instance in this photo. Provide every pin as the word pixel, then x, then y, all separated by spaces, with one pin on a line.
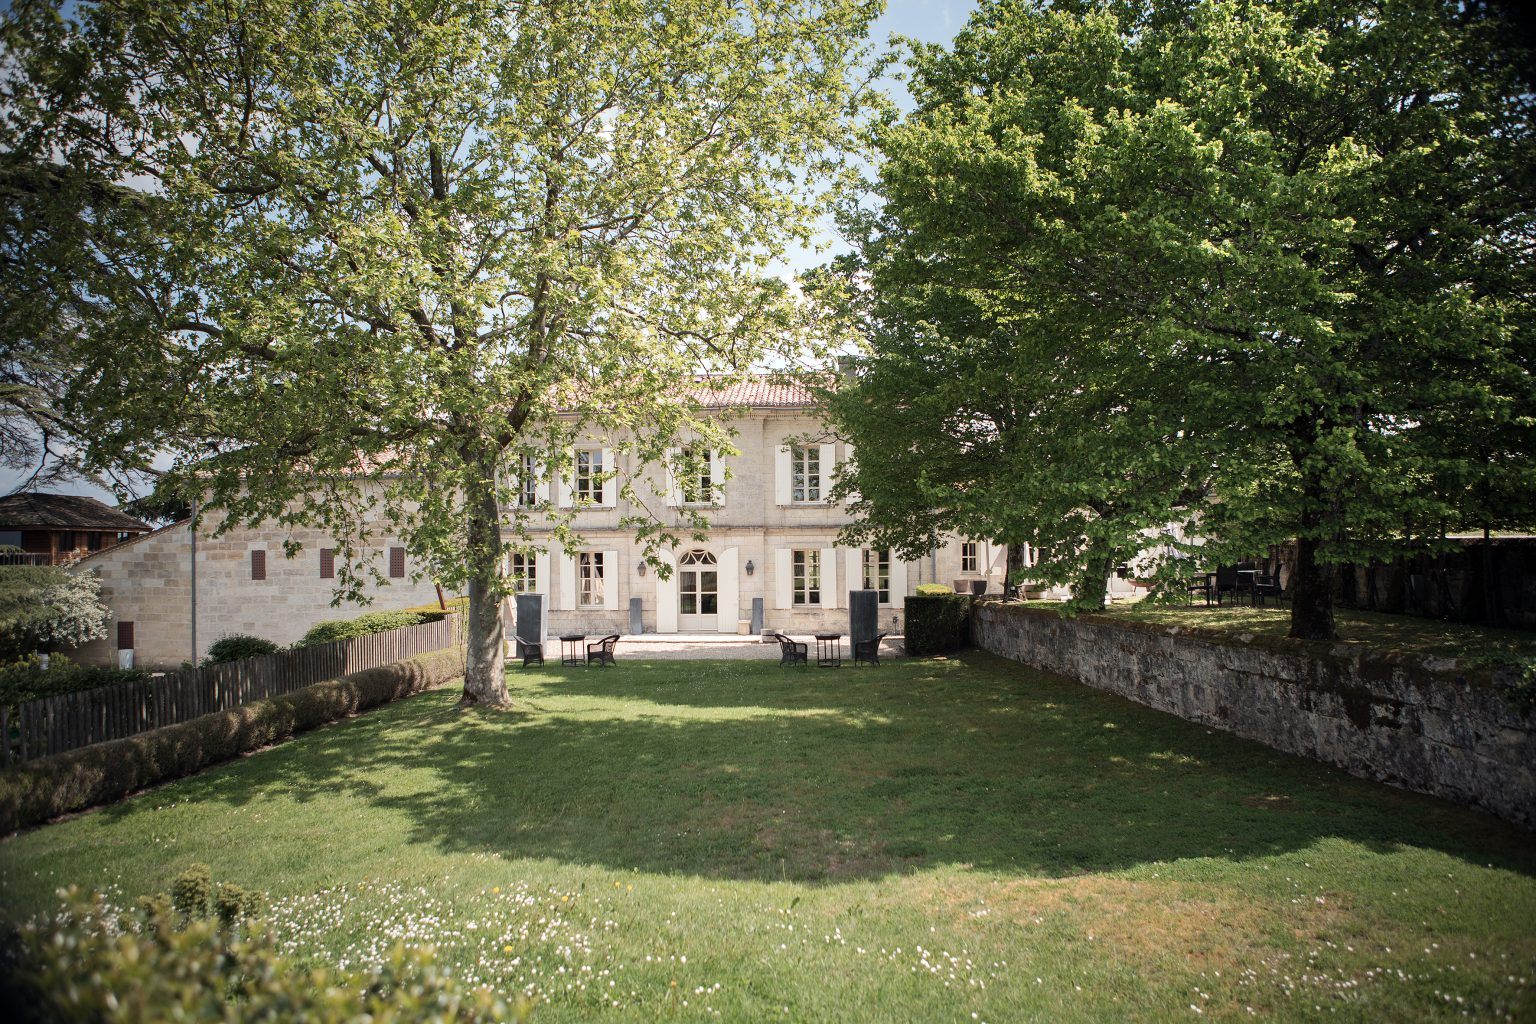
pixel 236 647
pixel 928 589
pixel 937 623
pixel 36 791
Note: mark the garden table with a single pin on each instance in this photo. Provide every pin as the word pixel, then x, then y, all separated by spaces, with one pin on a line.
pixel 570 648
pixel 829 650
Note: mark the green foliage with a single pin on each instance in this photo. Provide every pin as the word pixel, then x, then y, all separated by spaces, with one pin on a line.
pixel 348 629
pixel 937 623
pixel 449 215
pixel 192 891
pixel 433 613
pixel 86 962
pixel 935 588
pixel 1237 269
pixel 35 791
pixel 237 646
pixel 27 679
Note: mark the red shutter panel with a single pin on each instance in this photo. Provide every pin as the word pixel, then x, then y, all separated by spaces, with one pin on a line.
pixel 258 565
pixel 327 563
pixel 397 563
pixel 125 636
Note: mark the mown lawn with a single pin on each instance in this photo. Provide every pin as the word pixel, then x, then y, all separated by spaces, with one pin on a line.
pixel 948 840
pixel 1406 634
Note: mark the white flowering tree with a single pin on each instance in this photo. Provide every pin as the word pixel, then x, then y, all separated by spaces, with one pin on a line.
pixel 44 608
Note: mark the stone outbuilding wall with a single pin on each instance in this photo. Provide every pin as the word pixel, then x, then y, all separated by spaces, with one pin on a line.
pixel 1418 722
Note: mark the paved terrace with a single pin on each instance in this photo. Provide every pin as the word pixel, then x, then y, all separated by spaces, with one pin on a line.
pixel 700 646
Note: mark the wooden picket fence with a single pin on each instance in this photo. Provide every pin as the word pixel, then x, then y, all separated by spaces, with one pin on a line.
pixel 52 725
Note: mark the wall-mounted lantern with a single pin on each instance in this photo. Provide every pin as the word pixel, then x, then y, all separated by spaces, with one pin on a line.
pixel 641 567
pixel 750 567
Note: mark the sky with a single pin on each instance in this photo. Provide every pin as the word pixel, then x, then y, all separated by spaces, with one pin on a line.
pixel 931 21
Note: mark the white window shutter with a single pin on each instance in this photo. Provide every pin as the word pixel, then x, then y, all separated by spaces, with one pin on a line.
pixel 541 575
pixel 611 577
pixel 562 485
pixel 898 584
pixel 717 479
pixel 781 471
pixel 728 591
pixel 854 559
pixel 567 593
pixel 611 484
pixel 848 465
pixel 783 579
pixel 830 596
pixel 666 596
pixel 674 492
pixel 828 468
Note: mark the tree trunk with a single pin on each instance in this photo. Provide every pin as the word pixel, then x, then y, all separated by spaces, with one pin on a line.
pixel 1015 568
pixel 485 677
pixel 1312 594
pixel 1092 589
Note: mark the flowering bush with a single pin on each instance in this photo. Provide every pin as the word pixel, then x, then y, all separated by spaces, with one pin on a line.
pixel 91 962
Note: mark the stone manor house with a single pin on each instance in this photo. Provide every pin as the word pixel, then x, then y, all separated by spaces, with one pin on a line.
pixel 773 535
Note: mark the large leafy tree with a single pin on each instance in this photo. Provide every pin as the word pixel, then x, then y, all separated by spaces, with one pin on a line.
pixel 1252 271
pixel 388 249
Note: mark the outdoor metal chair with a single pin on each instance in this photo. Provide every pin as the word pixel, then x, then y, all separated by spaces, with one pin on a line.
pixel 1226 582
pixel 1200 585
pixel 868 650
pixel 1267 584
pixel 792 652
pixel 602 651
pixel 530 653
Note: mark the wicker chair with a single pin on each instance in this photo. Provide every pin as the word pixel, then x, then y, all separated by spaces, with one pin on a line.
pixel 602 651
pixel 532 654
pixel 792 652
pixel 868 650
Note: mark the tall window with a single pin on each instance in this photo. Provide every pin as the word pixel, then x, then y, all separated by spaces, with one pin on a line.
pixel 589 475
pixel 807 577
pixel 805 473
pixel 258 565
pixel 397 563
pixel 877 573
pixel 969 560
pixel 528 481
pixel 524 571
pixel 327 563
pixel 698 483
pixel 589 566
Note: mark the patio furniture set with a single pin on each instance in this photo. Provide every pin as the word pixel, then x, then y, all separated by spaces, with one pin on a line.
pixel 829 650
pixel 1244 578
pixel 571 644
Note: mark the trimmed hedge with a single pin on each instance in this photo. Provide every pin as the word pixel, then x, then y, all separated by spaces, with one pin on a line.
pixel 929 589
pixel 36 791
pixel 349 629
pixel 937 623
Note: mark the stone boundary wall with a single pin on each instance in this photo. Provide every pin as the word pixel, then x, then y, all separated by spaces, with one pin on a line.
pixel 1412 721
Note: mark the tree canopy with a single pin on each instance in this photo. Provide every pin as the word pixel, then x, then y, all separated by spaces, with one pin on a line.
pixel 1185 280
pixel 376 253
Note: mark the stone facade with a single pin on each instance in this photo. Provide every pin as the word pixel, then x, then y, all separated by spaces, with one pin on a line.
pixel 1414 722
pixel 147 582
pixel 754 522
